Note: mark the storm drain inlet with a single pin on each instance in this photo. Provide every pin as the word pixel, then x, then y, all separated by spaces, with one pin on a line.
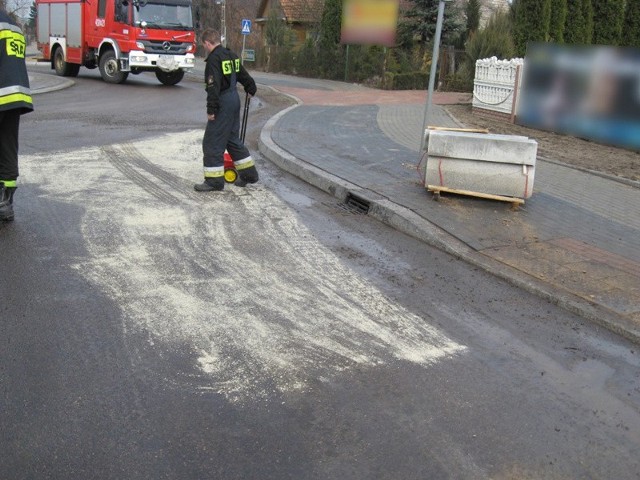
pixel 356 204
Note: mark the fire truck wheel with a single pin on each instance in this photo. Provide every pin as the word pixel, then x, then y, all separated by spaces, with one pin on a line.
pixel 64 69
pixel 110 68
pixel 170 78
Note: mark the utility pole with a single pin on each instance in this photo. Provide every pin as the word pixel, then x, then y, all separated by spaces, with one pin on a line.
pixel 432 75
pixel 223 21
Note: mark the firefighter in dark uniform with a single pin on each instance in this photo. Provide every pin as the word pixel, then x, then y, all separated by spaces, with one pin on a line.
pixel 15 99
pixel 223 70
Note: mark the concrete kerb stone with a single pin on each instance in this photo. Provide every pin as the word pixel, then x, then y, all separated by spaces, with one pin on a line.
pixel 48 83
pixel 407 221
pixel 614 178
pixel 412 224
pixel 321 179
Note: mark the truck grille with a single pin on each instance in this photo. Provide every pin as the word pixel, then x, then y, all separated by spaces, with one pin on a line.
pixel 166 47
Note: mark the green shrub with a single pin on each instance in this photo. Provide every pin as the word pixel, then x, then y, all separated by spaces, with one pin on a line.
pixel 608 31
pixel 405 81
pixel 631 38
pixel 494 40
pixel 458 82
pixel 532 19
pixel 364 63
pixel 306 59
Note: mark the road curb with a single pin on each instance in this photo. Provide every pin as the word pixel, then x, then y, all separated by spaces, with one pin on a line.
pixel 59 84
pixel 613 178
pixel 412 224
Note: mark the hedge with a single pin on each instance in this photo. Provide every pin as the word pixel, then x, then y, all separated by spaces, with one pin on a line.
pixel 405 81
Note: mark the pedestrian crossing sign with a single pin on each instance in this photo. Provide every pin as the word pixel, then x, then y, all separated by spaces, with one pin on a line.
pixel 246 26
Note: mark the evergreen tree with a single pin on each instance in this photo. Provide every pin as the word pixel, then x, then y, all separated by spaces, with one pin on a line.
pixel 420 20
pixel 557 21
pixel 305 61
pixel 33 15
pixel 608 16
pixel 275 29
pixel 575 27
pixel 532 18
pixel 631 25
pixel 587 18
pixel 330 57
pixel 472 11
pixel 495 39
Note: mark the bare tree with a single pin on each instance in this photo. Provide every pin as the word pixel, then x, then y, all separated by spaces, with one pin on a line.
pixel 18 9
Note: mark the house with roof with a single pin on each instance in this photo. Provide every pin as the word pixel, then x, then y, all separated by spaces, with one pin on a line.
pixel 301 16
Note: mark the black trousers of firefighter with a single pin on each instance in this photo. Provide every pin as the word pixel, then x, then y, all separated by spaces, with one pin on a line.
pixel 223 133
pixel 9 128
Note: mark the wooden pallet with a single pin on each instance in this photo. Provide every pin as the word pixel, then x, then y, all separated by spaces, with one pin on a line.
pixel 452 129
pixel 515 202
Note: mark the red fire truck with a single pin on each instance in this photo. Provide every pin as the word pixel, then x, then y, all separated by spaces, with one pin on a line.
pixel 118 37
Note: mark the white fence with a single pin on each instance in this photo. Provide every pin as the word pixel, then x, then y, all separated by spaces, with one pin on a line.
pixel 496 85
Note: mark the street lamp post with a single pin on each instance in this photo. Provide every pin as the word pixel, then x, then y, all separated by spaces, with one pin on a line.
pixel 432 74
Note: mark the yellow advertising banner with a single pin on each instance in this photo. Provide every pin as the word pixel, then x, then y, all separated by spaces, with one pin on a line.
pixel 369 22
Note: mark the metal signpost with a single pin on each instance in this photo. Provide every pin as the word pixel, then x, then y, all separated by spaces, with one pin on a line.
pixel 432 75
pixel 246 30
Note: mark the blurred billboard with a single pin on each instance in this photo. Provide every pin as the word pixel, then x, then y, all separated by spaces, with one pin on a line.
pixel 369 22
pixel 592 92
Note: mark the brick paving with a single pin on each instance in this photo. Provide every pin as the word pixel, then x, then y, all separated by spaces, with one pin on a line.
pixel 579 233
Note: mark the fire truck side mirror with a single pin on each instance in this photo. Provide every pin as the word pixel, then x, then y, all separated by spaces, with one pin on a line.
pixel 139 3
pixel 197 12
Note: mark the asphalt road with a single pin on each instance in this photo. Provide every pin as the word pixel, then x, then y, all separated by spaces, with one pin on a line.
pixel 152 332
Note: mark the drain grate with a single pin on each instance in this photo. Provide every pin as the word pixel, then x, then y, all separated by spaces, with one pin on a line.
pixel 356 204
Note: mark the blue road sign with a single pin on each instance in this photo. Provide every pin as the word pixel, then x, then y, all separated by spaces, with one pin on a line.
pixel 246 26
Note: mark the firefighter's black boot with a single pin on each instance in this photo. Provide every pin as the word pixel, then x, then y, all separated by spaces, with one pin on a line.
pixel 6 203
pixel 247 175
pixel 210 185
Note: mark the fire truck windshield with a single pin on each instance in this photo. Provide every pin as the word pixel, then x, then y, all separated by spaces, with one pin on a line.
pixel 163 15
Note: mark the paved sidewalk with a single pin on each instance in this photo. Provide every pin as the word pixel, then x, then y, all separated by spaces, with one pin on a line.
pixel 576 242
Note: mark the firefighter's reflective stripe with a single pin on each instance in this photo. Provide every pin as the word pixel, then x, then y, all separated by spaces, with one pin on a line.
pixel 213 172
pixel 15 94
pixel 229 66
pixel 244 163
pixel 9 183
pixel 16 44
